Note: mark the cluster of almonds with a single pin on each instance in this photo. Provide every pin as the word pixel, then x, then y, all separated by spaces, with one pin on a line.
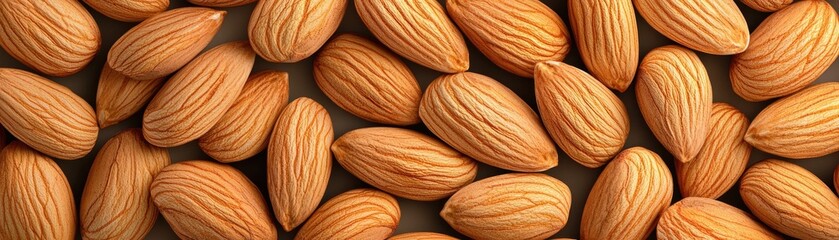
pixel 213 98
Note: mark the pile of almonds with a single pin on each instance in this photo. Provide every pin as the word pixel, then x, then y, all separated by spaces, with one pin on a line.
pixel 211 96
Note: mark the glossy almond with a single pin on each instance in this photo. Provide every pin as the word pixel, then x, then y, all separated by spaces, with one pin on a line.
pixel 422 236
pixel 715 27
pixel 119 97
pixel 287 31
pixel 129 10
pixel 356 214
pixel 704 218
pixel 221 3
pixel 767 5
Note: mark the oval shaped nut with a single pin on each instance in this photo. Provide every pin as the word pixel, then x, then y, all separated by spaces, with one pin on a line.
pixel 285 31
pixel 163 43
pixel 485 120
pixel 119 97
pixel 116 203
pixel 422 236
pixel 209 200
pixel 515 35
pixel 46 115
pixel 129 10
pixel 704 218
pixel 628 197
pixel 674 96
pixel 221 3
pixel 767 5
pixel 587 120
pixel 355 214
pixel 715 27
pixel 791 199
pixel 368 81
pixel 196 98
pixel 398 23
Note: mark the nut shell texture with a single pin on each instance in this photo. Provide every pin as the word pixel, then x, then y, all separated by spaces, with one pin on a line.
pixel 355 214
pixel 704 218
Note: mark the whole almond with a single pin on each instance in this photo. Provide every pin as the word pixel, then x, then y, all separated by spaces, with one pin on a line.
pixel 487 121
pixel 129 10
pixel 163 43
pixel 767 5
pixel 422 236
pixel 208 200
pixel 287 31
pixel 704 218
pixel 674 96
pixel 221 3
pixel 419 30
pixel 116 203
pixel 587 120
pixel 514 34
pixel 244 130
pixel 368 81
pixel 46 115
pixel 715 27
pixel 790 49
pixel 510 206
pixel 356 214
pixel 791 199
pixel 119 97
pixel 628 197
pixel 196 98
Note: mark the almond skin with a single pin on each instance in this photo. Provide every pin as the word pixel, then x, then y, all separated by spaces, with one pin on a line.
pixel 791 199
pixel 119 97
pixel 284 31
pixel 767 5
pixel 587 120
pixel 129 10
pixel 422 236
pixel 693 217
pixel 356 214
pixel 385 92
pixel 674 96
pixel 515 34
pixel 628 197
pixel 404 163
pixel 716 27
pixel 173 38
pixel 46 115
pixel 485 120
pixel 397 23
pixel 221 3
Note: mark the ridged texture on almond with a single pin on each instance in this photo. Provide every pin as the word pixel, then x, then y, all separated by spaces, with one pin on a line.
pixel 118 97
pixel 209 200
pixel 368 81
pixel 46 115
pixel 767 5
pixel 704 218
pixel 422 236
pixel 37 202
pixel 628 197
pixel 419 30
pixel 129 10
pixel 299 161
pixel 675 98
pixel 288 31
pixel 803 125
pixel 116 203
pixel 196 98
pixel 404 163
pixel 244 130
pixel 356 214
pixel 164 43
pixel 607 37
pixel 791 199
pixel 510 206
pixel 789 50
pixel 715 27
pixel 723 156
pixel 513 34
pixel 485 120
pixel 586 119
pixel 221 3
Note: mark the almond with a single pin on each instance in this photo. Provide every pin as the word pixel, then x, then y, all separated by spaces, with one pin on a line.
pixel 290 31
pixel 164 43
pixel 485 120
pixel 510 206
pixel 221 3
pixel 368 81
pixel 716 27
pixel 46 115
pixel 515 35
pixel 628 197
pixel 704 218
pixel 116 203
pixel 129 10
pixel 195 98
pixel 118 97
pixel 244 130
pixel 422 236
pixel 791 199
pixel 37 199
pixel 208 200
pixel 355 214
pixel 790 49
pixel 397 24
pixel 767 5
pixel 587 120
pixel 674 96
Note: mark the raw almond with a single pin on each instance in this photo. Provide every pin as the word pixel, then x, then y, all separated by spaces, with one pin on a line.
pixel 704 218
pixel 116 203
pixel 422 236
pixel 46 115
pixel 487 121
pixel 129 10
pixel 208 200
pixel 674 96
pixel 419 30
pixel 587 120
pixel 791 199
pixel 510 206
pixel 715 27
pixel 196 98
pixel 767 5
pixel 356 214
pixel 221 3
pixel 790 49
pixel 119 97
pixel 289 31
pixel 515 34
pixel 628 197
pixel 368 81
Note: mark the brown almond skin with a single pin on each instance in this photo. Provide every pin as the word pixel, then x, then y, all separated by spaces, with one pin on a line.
pixel 711 27
pixel 705 218
pixel 767 5
pixel 422 236
pixel 355 214
pixel 221 3
pixel 284 31
pixel 119 97
pixel 129 10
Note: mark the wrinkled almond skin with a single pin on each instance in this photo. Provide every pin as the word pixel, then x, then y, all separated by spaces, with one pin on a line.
pixel 704 218
pixel 287 31
pixel 129 10
pixel 221 3
pixel 422 236
pixel 355 214
pixel 607 38
pixel 119 97
pixel 715 27
pixel 767 5
pixel 485 120
pixel 791 199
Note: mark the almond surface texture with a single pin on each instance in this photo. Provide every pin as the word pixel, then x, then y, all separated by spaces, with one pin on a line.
pixel 422 236
pixel 221 3
pixel 767 5
pixel 119 97
pixel 287 31
pixel 129 10
pixel 715 26
pixel 355 214
pixel 704 218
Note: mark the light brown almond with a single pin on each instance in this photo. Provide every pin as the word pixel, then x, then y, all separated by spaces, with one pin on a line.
pixel 767 5
pixel 221 3
pixel 704 218
pixel 356 214
pixel 129 10
pixel 422 236
pixel 285 31
pixel 118 97
pixel 715 27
